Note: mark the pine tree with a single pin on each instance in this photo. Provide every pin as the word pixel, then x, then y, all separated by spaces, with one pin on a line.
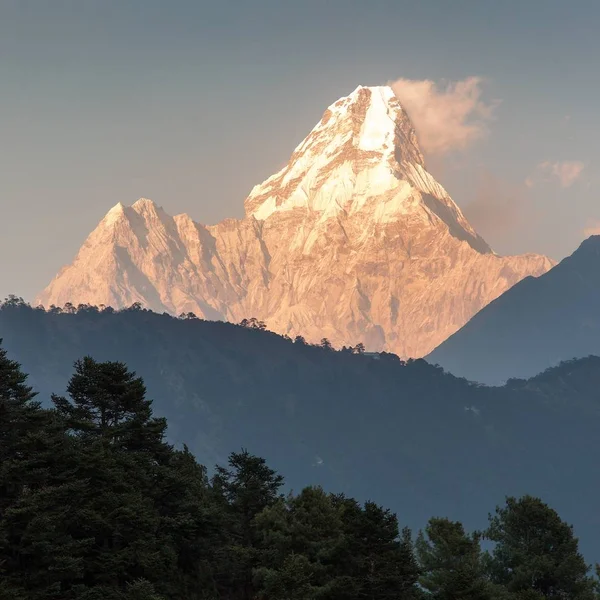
pixel 301 536
pixel 451 562
pixel 108 402
pixel 378 560
pixel 20 416
pixel 120 454
pixel 191 519
pixel 293 580
pixel 536 554
pixel 37 556
pixel 248 486
pixel 245 489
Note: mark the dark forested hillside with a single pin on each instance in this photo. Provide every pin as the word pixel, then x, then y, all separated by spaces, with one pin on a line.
pixel 96 504
pixel 406 435
pixel 534 325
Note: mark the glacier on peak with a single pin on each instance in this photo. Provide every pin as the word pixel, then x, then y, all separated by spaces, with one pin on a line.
pixel 353 240
pixel 360 157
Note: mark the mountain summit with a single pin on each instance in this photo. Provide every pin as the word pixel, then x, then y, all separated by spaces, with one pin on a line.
pixel 352 240
pixel 362 158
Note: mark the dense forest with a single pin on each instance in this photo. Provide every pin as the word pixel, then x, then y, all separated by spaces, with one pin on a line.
pixel 95 504
pixel 403 434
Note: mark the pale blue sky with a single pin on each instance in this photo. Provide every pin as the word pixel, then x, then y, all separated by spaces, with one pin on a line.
pixel 191 103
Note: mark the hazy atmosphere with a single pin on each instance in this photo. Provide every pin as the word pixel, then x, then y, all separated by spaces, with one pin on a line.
pixel 193 103
pixel 299 300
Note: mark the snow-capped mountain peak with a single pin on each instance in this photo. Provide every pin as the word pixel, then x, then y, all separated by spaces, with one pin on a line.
pixel 353 240
pixel 362 157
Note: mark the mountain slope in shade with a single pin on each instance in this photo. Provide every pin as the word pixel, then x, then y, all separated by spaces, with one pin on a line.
pixel 353 240
pixel 534 325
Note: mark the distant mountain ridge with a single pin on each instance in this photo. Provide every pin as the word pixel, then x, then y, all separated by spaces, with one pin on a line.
pixel 352 240
pixel 535 325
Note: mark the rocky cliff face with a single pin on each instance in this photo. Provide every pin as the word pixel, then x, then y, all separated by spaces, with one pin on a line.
pixel 353 240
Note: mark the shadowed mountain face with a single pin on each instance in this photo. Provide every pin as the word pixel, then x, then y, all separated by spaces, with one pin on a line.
pixel 406 435
pixel 353 240
pixel 534 325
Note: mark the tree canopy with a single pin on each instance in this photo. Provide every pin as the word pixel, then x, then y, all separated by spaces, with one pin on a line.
pixel 96 504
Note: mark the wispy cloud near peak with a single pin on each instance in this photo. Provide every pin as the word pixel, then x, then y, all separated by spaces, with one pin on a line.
pixel 566 173
pixel 445 118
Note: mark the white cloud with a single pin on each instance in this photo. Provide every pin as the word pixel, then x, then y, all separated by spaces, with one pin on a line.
pixel 450 118
pixel 566 173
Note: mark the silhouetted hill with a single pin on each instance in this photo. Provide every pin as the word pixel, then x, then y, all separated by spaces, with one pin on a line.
pixel 534 325
pixel 406 435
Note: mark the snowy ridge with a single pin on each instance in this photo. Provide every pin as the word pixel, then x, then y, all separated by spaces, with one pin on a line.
pixel 353 240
